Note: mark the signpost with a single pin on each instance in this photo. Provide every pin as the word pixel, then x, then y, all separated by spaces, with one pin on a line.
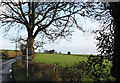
pixel 27 59
pixel 16 49
pixel 15 41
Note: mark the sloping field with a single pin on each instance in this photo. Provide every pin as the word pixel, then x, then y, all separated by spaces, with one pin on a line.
pixel 10 53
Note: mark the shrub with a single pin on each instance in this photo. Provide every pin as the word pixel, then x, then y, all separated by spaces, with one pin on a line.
pixel 96 68
pixel 5 54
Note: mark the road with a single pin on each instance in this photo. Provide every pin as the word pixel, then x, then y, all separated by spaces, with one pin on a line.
pixel 5 70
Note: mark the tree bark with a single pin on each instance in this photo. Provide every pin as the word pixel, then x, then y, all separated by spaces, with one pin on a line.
pixel 116 55
pixel 30 41
pixel 115 71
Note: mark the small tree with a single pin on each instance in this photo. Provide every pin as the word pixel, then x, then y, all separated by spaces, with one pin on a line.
pixel 68 53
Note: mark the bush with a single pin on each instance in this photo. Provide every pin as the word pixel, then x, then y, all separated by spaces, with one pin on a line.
pixel 5 54
pixel 96 68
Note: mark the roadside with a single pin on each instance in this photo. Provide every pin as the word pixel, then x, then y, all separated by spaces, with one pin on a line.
pixel 36 72
pixel 6 71
pixel 7 58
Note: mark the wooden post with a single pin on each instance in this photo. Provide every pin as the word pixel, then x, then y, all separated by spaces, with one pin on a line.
pixel 27 59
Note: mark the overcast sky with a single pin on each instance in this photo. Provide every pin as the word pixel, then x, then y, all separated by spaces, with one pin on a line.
pixel 80 43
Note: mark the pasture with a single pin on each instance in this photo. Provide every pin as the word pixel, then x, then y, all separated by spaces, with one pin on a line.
pixel 63 59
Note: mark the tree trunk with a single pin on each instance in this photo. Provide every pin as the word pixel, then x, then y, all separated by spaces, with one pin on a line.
pixel 116 56
pixel 115 71
pixel 30 41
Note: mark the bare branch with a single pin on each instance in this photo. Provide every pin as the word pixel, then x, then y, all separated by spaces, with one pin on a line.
pixel 41 16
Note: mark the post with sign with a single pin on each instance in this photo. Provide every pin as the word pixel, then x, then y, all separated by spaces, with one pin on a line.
pixel 15 41
pixel 27 59
pixel 16 49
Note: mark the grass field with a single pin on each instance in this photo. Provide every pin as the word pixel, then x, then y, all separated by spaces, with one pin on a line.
pixel 63 59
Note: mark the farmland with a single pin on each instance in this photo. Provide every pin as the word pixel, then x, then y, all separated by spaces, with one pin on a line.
pixel 63 59
pixel 8 54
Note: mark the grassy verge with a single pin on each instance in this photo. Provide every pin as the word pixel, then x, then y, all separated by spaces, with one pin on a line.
pixel 36 72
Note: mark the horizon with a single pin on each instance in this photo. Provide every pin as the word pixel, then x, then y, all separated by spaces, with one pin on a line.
pixel 48 53
pixel 80 43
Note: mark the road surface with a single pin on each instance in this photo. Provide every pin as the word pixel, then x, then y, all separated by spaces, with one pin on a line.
pixel 5 70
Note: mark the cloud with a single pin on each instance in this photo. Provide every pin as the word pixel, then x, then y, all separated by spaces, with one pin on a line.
pixel 5 44
pixel 79 44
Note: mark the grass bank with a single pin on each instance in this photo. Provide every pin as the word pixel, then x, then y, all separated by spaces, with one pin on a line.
pixel 36 72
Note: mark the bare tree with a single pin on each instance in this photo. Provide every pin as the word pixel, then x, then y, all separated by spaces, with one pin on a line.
pixel 47 19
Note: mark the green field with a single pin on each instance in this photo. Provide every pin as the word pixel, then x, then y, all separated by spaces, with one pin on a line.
pixel 63 59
